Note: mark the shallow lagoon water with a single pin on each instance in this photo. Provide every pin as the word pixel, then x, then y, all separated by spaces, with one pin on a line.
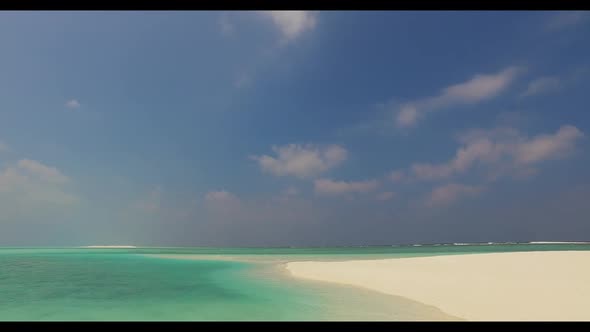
pixel 196 284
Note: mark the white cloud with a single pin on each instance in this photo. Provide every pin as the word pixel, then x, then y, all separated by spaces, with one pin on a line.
pixel 501 149
pixel 43 172
pixel 221 196
pixel 330 187
pixel 567 19
pixel 303 161
pixel 479 88
pixel 407 116
pixel 291 191
pixel 11 179
pixel 478 151
pixel 385 196
pixel 292 23
pixel 546 147
pixel 397 175
pixel 542 85
pixel 424 171
pixel 31 181
pixel 288 193
pixel 227 28
pixel 503 133
pixel 449 193
pixel 73 104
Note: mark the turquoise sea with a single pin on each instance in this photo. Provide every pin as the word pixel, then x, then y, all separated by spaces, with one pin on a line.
pixel 66 284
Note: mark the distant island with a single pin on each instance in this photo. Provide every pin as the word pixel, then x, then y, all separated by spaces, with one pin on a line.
pixel 120 247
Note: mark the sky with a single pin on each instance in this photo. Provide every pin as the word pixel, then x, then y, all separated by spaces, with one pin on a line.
pixel 297 128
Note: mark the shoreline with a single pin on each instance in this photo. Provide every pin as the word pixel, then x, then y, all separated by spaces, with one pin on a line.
pixel 512 286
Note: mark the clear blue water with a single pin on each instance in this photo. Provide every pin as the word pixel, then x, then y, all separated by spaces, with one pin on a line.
pixel 227 284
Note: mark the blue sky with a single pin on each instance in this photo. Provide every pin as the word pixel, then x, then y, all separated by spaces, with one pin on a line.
pixel 293 128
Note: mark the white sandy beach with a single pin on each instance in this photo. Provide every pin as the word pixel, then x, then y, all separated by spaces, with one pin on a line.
pixel 515 286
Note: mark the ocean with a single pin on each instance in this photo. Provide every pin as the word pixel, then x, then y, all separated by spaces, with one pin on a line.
pixel 204 284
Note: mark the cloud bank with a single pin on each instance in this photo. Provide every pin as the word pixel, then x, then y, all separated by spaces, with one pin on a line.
pixel 302 161
pixel 479 88
pixel 331 187
pixel 30 181
pixel 499 149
